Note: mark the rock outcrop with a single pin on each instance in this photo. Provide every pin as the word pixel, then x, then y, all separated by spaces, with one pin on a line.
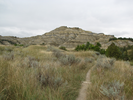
pixel 65 36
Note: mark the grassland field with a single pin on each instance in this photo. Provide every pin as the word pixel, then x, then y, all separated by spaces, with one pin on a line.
pixel 40 72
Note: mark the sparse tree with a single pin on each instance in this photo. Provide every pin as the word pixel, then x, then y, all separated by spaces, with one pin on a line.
pixel 113 51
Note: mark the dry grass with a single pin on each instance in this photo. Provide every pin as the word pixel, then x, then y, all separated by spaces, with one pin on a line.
pixel 121 71
pixel 82 54
pixel 36 74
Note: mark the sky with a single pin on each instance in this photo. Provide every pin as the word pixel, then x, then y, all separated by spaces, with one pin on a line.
pixel 25 18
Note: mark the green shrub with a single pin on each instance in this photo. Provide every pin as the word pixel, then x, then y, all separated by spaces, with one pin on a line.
pixel 77 48
pixel 113 90
pixel 80 47
pixel 113 51
pixel 18 45
pixel 63 48
pixel 57 53
pixel 96 48
pixel 113 39
pixel 89 46
pixel 50 48
pixel 30 62
pixel 42 44
pixel 102 51
pixel 65 59
pixel 120 38
pixel 69 60
pixel 49 78
pixel 8 56
pixel 90 60
pixel 98 44
pixel 105 63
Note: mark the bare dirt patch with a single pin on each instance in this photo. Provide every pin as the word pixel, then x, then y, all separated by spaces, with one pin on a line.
pixel 47 52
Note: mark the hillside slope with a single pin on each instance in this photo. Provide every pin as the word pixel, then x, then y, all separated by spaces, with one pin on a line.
pixel 65 36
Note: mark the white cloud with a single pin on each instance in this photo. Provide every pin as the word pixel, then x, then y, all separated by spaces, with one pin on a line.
pixel 14 31
pixel 32 17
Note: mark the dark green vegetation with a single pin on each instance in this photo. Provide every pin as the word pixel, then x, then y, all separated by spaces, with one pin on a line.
pixel 63 48
pixel 11 42
pixel 1 41
pixel 18 45
pixel 113 51
pixel 125 53
pixel 89 46
pixel 120 38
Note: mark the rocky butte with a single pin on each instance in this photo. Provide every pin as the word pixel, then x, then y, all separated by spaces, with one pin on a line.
pixel 67 37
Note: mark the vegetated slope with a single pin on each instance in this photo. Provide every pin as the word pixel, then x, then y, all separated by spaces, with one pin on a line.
pixel 67 37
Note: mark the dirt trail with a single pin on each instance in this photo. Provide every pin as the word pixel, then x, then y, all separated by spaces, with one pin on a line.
pixel 84 87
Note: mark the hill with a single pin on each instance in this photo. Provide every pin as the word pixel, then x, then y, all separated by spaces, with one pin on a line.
pixel 67 37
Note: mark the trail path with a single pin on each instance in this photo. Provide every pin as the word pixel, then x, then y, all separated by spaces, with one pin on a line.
pixel 84 87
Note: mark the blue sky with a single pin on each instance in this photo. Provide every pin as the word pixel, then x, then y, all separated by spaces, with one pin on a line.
pixel 25 18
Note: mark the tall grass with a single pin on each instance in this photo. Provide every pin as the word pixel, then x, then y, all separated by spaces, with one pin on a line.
pixel 103 77
pixel 36 75
pixel 18 83
pixel 33 73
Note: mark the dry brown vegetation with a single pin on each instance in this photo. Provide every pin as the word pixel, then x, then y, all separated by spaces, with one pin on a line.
pixel 39 73
pixel 118 77
pixel 34 73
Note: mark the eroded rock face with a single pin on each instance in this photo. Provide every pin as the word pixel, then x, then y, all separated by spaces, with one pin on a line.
pixel 71 37
pixel 65 36
pixel 8 40
pixel 120 43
